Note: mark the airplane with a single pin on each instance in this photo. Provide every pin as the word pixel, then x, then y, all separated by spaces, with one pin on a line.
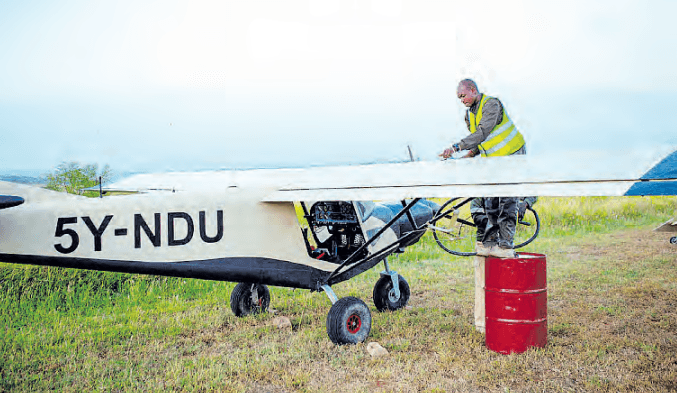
pixel 242 225
pixel 669 226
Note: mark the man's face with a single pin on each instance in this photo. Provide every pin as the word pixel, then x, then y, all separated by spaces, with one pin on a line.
pixel 467 95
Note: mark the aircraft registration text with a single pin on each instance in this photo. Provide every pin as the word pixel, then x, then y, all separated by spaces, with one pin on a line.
pixel 70 239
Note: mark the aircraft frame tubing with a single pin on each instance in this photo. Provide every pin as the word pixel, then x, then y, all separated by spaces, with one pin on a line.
pixel 410 217
pixel 369 258
pixel 369 262
pixel 440 215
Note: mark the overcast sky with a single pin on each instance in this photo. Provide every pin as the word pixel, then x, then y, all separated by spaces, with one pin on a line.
pixel 190 85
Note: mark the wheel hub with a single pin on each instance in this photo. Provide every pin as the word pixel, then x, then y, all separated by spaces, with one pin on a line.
pixel 354 323
pixel 393 295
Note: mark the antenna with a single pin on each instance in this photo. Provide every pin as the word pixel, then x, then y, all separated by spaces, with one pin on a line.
pixel 411 156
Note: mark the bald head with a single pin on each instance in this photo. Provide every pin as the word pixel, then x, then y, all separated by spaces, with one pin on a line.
pixel 467 92
pixel 468 83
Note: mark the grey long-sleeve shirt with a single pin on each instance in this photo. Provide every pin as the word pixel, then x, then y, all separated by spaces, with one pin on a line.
pixel 492 114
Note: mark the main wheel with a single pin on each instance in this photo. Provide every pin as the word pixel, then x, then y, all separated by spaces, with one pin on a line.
pixel 348 321
pixel 453 227
pixel 527 228
pixel 385 297
pixel 248 298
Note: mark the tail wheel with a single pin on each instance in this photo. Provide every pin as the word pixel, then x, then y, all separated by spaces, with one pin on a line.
pixel 248 298
pixel 348 321
pixel 385 297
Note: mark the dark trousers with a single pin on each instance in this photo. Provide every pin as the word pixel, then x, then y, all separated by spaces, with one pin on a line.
pixel 496 217
pixel 496 220
pixel 502 220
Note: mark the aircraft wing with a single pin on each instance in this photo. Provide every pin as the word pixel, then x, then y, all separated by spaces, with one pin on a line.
pixel 573 173
pixel 273 179
pixel 582 173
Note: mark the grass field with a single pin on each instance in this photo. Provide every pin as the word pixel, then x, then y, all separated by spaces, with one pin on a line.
pixel 612 322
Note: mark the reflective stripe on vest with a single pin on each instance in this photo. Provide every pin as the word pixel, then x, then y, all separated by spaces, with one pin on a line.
pixel 503 140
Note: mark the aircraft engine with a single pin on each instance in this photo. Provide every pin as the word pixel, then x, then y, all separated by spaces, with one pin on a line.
pixel 338 234
pixel 336 230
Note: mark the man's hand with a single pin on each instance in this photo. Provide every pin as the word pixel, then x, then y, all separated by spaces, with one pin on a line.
pixel 446 153
pixel 450 150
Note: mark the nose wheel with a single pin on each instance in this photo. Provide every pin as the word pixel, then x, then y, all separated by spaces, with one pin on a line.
pixel 386 296
pixel 391 291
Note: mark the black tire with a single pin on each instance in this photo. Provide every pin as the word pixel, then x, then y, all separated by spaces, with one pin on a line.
pixel 384 294
pixel 241 302
pixel 526 234
pixel 673 240
pixel 348 321
pixel 453 228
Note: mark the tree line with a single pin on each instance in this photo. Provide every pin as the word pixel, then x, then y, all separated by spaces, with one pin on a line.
pixel 73 177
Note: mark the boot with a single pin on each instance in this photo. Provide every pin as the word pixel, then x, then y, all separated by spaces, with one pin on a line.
pixel 501 252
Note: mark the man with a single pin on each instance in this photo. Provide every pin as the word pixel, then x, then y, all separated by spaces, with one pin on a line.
pixel 492 133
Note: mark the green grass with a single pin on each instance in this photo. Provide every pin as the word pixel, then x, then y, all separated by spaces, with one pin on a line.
pixel 612 287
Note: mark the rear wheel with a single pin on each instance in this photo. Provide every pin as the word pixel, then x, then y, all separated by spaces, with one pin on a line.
pixel 248 298
pixel 348 321
pixel 385 297
pixel 673 240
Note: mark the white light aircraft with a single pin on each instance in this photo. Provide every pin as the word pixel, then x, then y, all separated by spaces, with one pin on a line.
pixel 242 226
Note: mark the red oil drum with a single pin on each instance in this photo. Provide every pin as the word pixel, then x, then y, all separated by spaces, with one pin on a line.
pixel 516 302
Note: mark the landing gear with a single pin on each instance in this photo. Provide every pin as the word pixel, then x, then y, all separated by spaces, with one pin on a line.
pixel 673 240
pixel 348 321
pixel 349 318
pixel 385 298
pixel 248 298
pixel 391 291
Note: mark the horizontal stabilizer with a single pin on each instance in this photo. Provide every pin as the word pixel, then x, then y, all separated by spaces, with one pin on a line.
pixel 14 194
pixel 7 201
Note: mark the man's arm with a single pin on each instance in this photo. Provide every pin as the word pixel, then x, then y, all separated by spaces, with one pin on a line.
pixel 492 114
pixel 472 153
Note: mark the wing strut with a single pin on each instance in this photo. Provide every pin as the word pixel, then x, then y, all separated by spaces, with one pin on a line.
pixel 409 216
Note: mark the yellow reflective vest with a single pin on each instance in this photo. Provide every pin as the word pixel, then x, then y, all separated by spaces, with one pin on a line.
pixel 503 140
